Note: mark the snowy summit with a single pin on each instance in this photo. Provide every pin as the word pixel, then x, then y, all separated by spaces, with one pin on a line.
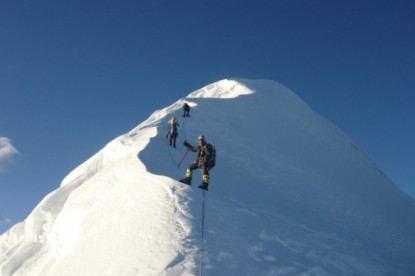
pixel 290 195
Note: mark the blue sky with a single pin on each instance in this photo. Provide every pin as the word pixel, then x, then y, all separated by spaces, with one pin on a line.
pixel 76 74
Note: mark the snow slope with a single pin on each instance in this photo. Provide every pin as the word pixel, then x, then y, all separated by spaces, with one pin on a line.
pixel 290 195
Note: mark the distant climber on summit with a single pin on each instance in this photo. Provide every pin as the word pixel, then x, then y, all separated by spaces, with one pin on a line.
pixel 173 133
pixel 186 110
pixel 206 159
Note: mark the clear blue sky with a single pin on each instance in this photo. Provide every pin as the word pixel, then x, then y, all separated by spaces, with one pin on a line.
pixel 76 74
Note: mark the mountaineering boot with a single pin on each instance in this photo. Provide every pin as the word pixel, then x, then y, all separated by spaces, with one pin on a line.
pixel 187 180
pixel 204 186
pixel 205 182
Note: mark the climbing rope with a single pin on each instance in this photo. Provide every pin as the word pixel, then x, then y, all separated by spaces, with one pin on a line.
pixel 185 138
pixel 184 128
pixel 166 142
pixel 172 158
pixel 202 249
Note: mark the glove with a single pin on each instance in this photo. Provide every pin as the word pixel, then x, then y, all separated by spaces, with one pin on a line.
pixel 186 144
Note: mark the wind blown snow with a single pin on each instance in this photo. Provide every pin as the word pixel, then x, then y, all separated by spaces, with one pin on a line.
pixel 290 195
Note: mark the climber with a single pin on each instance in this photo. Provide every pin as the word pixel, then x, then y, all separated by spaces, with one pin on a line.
pixel 206 155
pixel 173 133
pixel 186 110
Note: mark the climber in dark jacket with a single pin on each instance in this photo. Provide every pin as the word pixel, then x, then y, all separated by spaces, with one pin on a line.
pixel 205 161
pixel 186 110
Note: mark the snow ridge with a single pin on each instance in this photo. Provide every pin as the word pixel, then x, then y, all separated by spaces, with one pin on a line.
pixel 290 195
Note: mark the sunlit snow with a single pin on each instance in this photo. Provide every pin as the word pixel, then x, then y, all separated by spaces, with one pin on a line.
pixel 290 195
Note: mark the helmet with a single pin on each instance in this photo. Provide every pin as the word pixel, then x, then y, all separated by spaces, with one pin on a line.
pixel 201 137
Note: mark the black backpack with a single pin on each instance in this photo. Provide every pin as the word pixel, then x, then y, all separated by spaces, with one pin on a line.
pixel 212 153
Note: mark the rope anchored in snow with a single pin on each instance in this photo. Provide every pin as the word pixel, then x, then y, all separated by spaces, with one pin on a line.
pixel 202 249
pixel 172 158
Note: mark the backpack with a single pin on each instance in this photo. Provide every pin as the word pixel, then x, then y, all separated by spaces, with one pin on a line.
pixel 212 153
pixel 173 126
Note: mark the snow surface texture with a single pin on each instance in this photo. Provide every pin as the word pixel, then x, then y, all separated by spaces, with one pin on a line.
pixel 290 195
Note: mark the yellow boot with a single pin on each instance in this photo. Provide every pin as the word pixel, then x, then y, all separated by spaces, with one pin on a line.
pixel 188 179
pixel 205 182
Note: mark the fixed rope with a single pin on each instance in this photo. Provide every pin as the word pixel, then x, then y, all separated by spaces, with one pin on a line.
pixel 184 129
pixel 185 138
pixel 202 244
pixel 173 160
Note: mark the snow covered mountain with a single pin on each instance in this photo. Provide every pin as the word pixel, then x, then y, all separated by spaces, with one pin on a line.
pixel 290 195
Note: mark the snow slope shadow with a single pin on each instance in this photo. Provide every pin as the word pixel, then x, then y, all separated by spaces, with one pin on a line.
pixel 290 194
